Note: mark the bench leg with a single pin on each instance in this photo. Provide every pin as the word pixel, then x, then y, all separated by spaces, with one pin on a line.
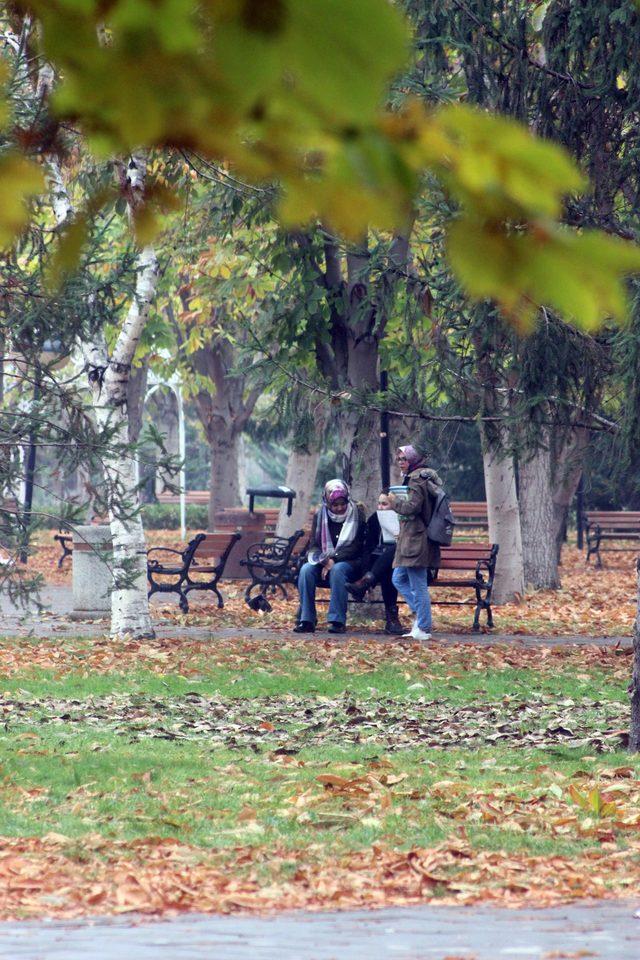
pixel 219 596
pixel 183 603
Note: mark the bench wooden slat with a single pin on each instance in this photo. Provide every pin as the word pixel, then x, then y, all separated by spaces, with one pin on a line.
pixel 460 564
pixel 609 525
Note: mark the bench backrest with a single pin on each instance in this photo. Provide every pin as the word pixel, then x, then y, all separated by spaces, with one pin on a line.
pixel 214 547
pixel 465 556
pixel 191 496
pixel 613 519
pixel 469 510
pixel 613 514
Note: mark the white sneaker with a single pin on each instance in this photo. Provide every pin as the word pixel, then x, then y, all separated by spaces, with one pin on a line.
pixel 414 627
pixel 419 634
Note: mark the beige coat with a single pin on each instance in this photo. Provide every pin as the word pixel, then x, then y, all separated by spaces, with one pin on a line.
pixel 414 549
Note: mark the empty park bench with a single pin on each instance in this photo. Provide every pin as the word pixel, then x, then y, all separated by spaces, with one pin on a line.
pixel 610 525
pixel 470 515
pixel 468 566
pixel 204 557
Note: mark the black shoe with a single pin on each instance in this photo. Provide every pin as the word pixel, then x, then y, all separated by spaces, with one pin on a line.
pixel 304 626
pixel 393 625
pixel 335 627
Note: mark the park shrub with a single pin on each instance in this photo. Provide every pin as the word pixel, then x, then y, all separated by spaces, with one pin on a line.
pixel 166 516
pixel 155 516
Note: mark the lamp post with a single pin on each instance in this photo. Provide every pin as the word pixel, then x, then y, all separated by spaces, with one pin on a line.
pixel 385 466
pixel 50 350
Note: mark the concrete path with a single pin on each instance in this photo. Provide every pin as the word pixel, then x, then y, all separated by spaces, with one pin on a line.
pixel 56 622
pixel 601 930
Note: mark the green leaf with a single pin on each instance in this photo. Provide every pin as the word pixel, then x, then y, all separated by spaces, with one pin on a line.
pixel 580 275
pixel 501 167
pixel 67 252
pixel 20 179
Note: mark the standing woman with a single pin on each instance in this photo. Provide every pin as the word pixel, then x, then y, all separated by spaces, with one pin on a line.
pixel 336 548
pixel 415 553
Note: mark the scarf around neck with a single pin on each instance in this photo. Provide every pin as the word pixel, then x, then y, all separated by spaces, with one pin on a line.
pixel 333 490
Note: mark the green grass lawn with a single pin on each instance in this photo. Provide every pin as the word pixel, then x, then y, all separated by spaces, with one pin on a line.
pixel 319 756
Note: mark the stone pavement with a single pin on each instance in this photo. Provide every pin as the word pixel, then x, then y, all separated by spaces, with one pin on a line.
pixel 603 930
pixel 56 622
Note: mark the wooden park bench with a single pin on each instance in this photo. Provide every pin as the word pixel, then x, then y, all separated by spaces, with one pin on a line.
pixel 472 567
pixel 615 525
pixel 204 557
pixel 275 562
pixel 470 515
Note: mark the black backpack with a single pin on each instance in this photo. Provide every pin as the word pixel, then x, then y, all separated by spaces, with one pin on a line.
pixel 442 522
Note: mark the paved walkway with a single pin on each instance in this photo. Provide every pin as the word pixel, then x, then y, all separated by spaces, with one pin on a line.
pixel 601 930
pixel 57 622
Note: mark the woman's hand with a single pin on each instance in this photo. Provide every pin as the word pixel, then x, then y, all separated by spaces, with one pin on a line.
pixel 392 500
pixel 326 566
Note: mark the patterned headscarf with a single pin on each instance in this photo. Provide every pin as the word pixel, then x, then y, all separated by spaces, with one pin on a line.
pixel 413 457
pixel 336 490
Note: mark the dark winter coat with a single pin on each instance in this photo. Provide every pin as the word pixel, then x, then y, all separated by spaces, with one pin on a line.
pixel 354 552
pixel 414 549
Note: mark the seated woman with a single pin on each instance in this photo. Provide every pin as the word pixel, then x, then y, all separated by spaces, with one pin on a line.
pixel 380 549
pixel 335 555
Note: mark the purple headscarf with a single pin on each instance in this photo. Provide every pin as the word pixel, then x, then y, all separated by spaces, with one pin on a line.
pixel 413 457
pixel 336 490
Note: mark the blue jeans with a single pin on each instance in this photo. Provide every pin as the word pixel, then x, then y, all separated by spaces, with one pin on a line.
pixel 411 582
pixel 310 577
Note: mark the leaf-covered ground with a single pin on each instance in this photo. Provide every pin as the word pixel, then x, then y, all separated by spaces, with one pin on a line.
pixel 238 774
pixel 590 602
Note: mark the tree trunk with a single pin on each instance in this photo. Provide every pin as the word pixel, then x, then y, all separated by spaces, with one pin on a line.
pixel 224 486
pixel 634 687
pixel 360 447
pixel 540 558
pixel 163 408
pixel 136 390
pixel 504 523
pixel 109 380
pixel 302 469
pixel 359 430
pixel 567 467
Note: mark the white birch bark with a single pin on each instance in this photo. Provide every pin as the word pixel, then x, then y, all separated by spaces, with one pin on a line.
pixel 504 523
pixel 540 557
pixel 109 377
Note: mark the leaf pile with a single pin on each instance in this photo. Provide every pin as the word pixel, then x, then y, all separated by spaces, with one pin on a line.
pixel 590 602
pixel 162 876
pixel 291 723
pixel 188 657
